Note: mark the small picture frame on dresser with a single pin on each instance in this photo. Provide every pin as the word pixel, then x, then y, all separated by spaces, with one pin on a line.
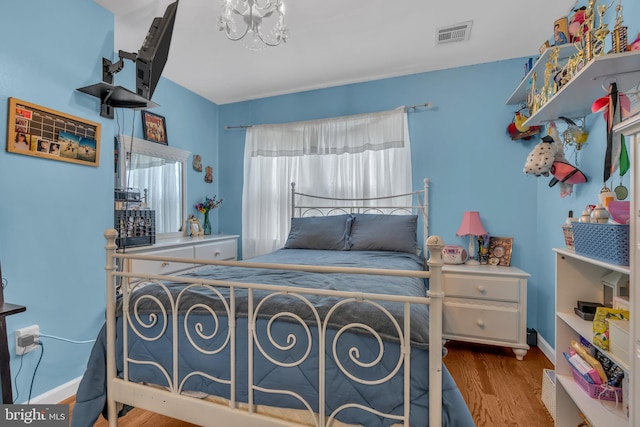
pixel 500 250
pixel 195 228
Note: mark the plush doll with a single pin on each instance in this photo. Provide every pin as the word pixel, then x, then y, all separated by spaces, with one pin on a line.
pixel 541 157
pixel 576 23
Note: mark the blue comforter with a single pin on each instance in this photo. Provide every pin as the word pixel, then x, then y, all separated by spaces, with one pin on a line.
pixel 91 395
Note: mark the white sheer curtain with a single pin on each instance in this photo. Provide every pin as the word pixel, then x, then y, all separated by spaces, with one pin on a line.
pixel 162 178
pixel 367 155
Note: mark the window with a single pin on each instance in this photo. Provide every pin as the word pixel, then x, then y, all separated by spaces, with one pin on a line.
pixel 367 155
pixel 161 171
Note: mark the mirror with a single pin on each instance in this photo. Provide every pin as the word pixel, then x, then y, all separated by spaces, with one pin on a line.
pixel 159 173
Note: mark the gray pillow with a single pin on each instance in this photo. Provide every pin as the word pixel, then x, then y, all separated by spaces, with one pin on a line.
pixel 320 232
pixel 377 232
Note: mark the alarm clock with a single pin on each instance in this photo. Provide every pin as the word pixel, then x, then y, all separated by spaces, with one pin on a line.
pixel 453 254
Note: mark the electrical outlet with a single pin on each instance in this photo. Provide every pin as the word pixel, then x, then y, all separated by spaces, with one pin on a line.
pixel 24 335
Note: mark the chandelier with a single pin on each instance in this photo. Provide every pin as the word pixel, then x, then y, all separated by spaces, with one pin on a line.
pixel 264 23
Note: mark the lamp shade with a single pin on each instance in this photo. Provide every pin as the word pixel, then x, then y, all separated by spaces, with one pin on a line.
pixel 471 225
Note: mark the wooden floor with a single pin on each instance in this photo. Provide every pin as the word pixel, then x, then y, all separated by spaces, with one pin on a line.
pixel 499 389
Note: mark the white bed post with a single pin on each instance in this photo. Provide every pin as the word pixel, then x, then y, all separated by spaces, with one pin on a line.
pixel 425 211
pixel 110 266
pixel 435 245
pixel 293 200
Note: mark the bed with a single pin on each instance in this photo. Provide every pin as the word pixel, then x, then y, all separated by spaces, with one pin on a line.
pixel 337 328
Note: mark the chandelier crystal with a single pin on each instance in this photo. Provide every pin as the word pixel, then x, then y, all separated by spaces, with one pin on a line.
pixel 262 21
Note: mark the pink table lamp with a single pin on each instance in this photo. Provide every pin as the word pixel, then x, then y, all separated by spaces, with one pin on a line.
pixel 471 226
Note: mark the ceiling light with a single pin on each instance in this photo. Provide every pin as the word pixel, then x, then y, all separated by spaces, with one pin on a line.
pixel 262 21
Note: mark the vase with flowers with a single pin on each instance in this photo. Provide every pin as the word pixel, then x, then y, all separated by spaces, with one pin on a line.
pixel 205 207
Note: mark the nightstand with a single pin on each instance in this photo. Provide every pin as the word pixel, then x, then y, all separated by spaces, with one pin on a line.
pixel 486 304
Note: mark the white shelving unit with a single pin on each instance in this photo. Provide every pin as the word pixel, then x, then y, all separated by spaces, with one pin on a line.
pixel 579 278
pixel 574 99
pixel 519 95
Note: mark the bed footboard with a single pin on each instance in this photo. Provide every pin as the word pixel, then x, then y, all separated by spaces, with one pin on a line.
pixel 245 332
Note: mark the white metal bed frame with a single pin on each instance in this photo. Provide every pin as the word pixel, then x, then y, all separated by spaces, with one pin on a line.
pixel 172 402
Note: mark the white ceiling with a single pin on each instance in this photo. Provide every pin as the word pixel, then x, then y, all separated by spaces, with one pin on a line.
pixel 335 42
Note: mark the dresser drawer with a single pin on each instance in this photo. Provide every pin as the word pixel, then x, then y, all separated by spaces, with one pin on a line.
pixel 496 322
pixel 483 287
pixel 223 250
pixel 163 267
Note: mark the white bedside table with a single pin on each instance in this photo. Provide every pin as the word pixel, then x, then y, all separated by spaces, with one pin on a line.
pixel 486 304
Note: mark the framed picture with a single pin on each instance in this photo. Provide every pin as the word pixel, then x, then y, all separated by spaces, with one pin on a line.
pixel 42 132
pixel 560 32
pixel 500 250
pixel 195 228
pixel 154 127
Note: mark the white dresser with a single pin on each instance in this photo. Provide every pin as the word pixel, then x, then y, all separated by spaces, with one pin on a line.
pixel 214 247
pixel 486 304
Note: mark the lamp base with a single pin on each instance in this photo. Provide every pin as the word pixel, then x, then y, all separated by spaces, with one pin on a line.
pixel 472 261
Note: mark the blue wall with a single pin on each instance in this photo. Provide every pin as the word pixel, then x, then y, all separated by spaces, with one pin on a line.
pixel 54 214
pixel 462 147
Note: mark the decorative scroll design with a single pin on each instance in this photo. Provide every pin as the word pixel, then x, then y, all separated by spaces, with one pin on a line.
pixel 140 321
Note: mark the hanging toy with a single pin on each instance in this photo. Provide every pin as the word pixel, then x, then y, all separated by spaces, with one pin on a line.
pixel 574 135
pixel 515 128
pixel 563 172
pixel 541 158
pixel 520 119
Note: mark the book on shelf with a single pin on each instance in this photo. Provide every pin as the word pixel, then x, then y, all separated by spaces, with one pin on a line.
pixel 583 368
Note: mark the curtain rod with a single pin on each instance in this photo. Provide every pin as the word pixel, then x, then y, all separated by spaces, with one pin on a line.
pixel 412 107
pixel 237 127
pixel 415 107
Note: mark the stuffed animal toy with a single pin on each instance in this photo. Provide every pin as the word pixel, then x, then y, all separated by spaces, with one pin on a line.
pixel 576 23
pixel 517 130
pixel 541 158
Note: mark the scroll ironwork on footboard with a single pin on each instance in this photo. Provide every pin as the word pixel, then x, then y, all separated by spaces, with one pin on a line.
pixel 252 335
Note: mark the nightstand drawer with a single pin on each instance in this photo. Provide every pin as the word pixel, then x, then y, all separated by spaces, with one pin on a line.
pixel 483 287
pixel 494 322
pixel 164 267
pixel 224 250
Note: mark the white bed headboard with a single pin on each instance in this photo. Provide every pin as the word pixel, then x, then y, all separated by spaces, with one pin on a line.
pixel 414 203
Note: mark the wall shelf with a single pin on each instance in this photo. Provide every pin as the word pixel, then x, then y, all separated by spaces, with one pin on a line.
pixel 574 99
pixel 519 95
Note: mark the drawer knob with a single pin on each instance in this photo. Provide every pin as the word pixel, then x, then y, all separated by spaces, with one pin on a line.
pixel 217 253
pixel 480 323
pixel 165 264
pixel 482 289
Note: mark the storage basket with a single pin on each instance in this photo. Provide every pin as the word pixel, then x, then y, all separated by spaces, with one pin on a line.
pixel 605 242
pixel 613 394
pixel 549 391
pixel 135 227
pixel 567 230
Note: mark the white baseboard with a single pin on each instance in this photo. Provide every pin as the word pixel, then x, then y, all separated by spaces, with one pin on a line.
pixel 546 349
pixel 58 394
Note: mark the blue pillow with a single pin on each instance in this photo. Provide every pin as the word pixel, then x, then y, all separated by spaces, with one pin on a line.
pixel 377 232
pixel 320 232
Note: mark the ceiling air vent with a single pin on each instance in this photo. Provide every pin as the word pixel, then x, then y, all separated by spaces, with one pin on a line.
pixel 453 33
